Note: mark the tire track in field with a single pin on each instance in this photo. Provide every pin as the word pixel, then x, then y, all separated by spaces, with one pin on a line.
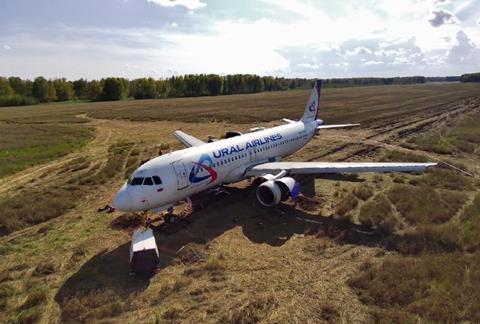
pixel 96 149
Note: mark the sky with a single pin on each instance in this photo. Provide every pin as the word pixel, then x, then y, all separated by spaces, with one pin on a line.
pixel 292 38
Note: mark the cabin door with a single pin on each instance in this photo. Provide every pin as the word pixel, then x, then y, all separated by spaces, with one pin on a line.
pixel 181 172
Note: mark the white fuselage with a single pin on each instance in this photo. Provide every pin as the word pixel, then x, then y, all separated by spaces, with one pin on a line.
pixel 192 170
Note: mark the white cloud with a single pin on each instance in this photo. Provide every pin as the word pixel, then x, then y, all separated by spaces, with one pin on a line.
pixel 464 52
pixel 309 66
pixel 359 50
pixel 130 66
pixel 189 4
pixel 442 17
pixel 373 63
pixel 174 24
pixel 7 47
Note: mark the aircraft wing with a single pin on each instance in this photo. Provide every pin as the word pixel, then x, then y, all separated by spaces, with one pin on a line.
pixel 289 121
pixel 335 167
pixel 336 126
pixel 188 140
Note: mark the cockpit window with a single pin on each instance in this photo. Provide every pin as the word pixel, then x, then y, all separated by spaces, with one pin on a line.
pixel 157 180
pixel 136 181
pixel 148 182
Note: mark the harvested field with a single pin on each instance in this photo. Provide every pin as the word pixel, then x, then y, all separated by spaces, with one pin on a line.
pixel 385 247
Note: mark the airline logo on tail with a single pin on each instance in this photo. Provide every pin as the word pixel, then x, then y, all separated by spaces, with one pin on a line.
pixel 201 167
pixel 313 106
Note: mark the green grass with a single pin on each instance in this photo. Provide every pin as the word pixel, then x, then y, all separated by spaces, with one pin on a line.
pixel 23 145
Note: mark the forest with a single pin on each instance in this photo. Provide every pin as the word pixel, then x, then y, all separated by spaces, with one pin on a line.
pixel 15 91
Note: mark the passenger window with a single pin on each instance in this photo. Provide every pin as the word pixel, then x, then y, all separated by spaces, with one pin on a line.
pixel 157 180
pixel 136 181
pixel 148 182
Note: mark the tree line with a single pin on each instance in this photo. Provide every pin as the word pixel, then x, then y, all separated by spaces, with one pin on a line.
pixel 15 91
pixel 470 77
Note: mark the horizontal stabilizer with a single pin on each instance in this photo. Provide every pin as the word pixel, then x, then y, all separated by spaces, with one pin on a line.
pixel 188 140
pixel 337 126
pixel 335 167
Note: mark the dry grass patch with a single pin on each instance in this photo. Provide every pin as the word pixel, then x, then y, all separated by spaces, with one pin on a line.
pixel 442 178
pixel 363 192
pixel 36 205
pixel 346 204
pixel 255 310
pixel 378 214
pixel 117 154
pixel 427 239
pixel 434 287
pixel 424 204
pixel 470 225
pixel 399 156
pixel 214 267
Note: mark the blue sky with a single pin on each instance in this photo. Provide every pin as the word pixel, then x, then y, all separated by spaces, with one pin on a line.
pixel 293 38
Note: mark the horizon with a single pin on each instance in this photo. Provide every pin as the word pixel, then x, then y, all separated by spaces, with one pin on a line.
pixel 166 78
pixel 291 39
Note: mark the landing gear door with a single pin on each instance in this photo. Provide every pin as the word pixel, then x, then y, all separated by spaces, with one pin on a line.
pixel 181 172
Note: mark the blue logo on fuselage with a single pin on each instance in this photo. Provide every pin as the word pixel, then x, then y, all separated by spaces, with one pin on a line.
pixel 204 163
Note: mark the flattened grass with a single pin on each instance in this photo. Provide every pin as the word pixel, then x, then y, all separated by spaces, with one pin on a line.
pixel 36 205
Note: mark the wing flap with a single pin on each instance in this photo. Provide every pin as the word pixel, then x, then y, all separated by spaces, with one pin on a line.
pixel 336 167
pixel 188 140
pixel 337 126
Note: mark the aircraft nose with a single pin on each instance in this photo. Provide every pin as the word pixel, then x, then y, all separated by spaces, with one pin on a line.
pixel 122 200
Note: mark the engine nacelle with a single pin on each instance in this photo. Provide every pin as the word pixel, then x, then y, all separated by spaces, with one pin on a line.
pixel 273 191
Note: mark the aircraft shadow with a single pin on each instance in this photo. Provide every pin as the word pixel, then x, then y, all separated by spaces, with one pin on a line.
pixel 102 279
pixel 109 271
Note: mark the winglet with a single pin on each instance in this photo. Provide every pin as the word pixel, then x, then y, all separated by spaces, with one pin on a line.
pixel 188 140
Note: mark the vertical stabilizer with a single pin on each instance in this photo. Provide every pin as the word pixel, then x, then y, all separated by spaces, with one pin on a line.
pixel 311 110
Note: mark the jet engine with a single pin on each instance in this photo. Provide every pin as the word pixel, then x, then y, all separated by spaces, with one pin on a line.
pixel 272 190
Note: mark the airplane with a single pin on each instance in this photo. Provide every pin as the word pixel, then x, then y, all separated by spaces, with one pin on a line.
pixel 167 179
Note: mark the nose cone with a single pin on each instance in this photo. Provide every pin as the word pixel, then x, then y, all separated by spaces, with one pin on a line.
pixel 122 200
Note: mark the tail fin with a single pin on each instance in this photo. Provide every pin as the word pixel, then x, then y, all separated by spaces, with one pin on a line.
pixel 311 111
